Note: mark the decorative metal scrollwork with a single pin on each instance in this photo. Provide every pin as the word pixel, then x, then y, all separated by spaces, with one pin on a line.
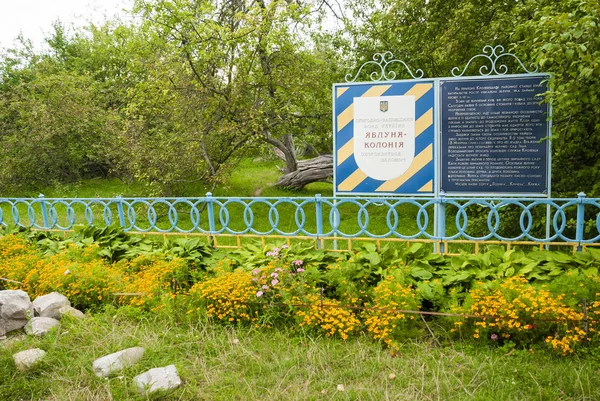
pixel 492 55
pixel 382 61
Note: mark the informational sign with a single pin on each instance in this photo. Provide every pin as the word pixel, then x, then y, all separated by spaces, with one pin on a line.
pixel 384 138
pixel 486 135
pixel 384 135
pixel 494 135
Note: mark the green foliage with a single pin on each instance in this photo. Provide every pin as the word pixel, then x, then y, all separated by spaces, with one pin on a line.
pixel 509 289
pixel 562 37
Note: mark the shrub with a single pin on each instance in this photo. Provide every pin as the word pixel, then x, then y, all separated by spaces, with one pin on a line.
pixel 325 315
pixel 226 297
pixel 523 313
pixel 383 319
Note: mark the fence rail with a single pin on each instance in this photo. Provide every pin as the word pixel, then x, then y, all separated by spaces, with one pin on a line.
pixel 568 220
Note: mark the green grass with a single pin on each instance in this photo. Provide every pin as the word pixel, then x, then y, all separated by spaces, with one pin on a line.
pixel 269 364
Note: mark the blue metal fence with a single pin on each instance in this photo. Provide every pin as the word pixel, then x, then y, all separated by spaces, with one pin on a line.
pixel 575 220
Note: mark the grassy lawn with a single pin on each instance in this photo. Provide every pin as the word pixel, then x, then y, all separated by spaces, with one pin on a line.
pixel 227 363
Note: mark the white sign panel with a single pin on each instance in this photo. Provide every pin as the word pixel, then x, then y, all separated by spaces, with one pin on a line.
pixel 384 135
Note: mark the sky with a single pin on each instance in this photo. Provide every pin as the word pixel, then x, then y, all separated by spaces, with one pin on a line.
pixel 34 18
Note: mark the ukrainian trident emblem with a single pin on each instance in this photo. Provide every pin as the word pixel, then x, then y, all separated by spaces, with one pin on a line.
pixel 383 105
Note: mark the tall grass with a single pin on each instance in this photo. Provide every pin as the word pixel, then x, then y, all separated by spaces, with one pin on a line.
pixel 226 363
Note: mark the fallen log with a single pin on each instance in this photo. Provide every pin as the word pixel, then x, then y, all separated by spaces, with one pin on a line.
pixel 318 169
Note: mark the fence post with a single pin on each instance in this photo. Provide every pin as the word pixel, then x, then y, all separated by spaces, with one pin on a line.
pixel 580 220
pixel 210 211
pixel 441 220
pixel 120 211
pixel 319 219
pixel 44 211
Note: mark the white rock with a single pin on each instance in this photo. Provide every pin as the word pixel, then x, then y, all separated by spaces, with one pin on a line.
pixel 15 310
pixel 112 363
pixel 26 359
pixel 39 326
pixel 69 310
pixel 158 379
pixel 49 305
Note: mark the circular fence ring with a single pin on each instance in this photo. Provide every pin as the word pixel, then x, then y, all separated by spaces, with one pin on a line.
pixel 340 203
pixel 225 217
pixel 527 211
pixel 461 215
pixel 224 211
pixel 300 217
pixel 107 214
pixel 362 218
pixel 174 202
pixel 53 214
pixel 273 217
pixel 392 213
pixel 525 229
pixel 559 231
pixel 173 216
pixel 194 215
pixel 462 219
pixel 524 212
pixel 31 214
pixel 335 219
pixel 275 223
pixel 506 202
pixel 493 214
pixel 88 213
pixel 132 215
pixel 250 220
pixel 153 215
pixel 422 219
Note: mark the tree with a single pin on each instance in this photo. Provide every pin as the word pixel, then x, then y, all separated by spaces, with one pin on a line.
pixel 564 38
pixel 561 37
pixel 241 73
pixel 52 125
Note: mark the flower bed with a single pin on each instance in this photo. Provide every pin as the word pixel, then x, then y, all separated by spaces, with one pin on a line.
pixel 512 298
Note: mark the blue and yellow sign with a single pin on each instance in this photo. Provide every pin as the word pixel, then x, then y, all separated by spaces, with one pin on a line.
pixel 384 138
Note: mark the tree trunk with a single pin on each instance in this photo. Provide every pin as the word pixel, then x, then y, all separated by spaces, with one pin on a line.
pixel 319 169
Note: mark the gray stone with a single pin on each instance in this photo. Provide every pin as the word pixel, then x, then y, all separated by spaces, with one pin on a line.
pixel 69 310
pixel 158 379
pixel 26 359
pixel 49 305
pixel 112 363
pixel 39 326
pixel 15 310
